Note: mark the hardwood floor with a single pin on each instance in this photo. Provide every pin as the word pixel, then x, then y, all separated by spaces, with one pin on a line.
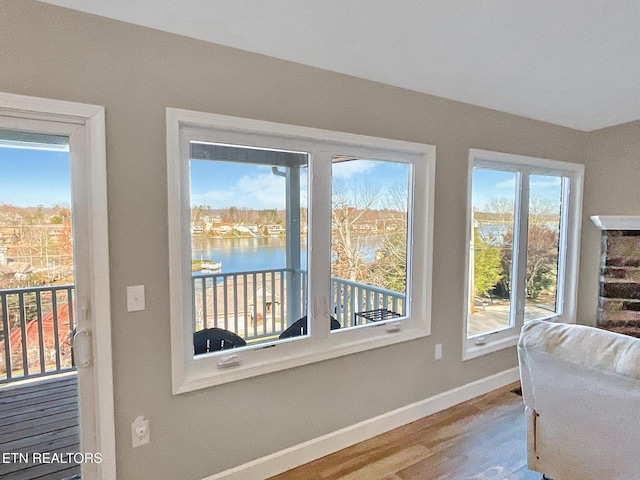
pixel 39 417
pixel 482 439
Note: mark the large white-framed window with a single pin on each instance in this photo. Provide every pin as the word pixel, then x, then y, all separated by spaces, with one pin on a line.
pixel 524 239
pixel 291 245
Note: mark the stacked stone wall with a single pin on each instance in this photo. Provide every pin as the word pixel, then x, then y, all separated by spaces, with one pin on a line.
pixel 619 302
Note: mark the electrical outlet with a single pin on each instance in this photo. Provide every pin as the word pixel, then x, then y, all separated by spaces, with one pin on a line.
pixel 140 432
pixel 135 298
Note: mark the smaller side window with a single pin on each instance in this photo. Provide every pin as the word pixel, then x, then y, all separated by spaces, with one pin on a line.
pixel 523 235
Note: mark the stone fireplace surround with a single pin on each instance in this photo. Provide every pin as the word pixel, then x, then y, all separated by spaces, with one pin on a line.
pixel 619 297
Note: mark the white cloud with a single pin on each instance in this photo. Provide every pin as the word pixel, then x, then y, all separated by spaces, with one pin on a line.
pixel 546 182
pixel 215 198
pixel 506 184
pixel 263 191
pixel 350 168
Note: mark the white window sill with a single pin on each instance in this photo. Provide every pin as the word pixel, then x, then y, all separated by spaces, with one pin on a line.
pixel 204 371
pixel 489 347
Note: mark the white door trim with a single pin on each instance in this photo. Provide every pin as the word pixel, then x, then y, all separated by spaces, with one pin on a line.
pixel 92 119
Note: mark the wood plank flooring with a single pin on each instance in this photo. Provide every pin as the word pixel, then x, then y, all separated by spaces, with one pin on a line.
pixel 39 417
pixel 482 439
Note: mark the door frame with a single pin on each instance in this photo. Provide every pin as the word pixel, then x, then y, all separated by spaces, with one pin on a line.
pixel 85 126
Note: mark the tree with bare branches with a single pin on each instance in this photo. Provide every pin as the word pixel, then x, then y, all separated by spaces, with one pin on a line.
pixel 350 204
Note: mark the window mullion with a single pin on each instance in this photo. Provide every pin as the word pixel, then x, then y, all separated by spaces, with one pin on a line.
pixel 519 267
pixel 179 269
pixel 319 248
pixel 293 262
pixel 563 245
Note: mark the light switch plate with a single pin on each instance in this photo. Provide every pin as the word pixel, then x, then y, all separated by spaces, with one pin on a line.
pixel 135 298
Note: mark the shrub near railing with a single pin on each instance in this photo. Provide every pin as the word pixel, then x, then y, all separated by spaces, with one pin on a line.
pixel 36 325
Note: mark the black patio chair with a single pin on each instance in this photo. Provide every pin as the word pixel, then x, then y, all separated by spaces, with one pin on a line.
pixel 215 339
pixel 299 327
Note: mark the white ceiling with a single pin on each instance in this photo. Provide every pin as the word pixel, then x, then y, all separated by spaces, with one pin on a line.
pixel 574 62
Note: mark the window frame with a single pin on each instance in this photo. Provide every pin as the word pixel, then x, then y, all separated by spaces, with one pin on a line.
pixel 189 373
pixel 568 250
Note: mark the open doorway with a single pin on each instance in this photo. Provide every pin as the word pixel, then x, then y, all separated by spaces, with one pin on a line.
pixel 55 355
pixel 37 306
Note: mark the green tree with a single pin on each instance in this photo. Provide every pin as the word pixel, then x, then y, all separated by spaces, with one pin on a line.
pixel 487 263
pixel 542 243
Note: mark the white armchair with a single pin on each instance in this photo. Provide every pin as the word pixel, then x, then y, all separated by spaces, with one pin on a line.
pixel 581 390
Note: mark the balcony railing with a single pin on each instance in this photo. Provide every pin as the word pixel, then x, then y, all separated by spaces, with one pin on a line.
pixel 36 325
pixel 259 305
pixel 252 304
pixel 349 298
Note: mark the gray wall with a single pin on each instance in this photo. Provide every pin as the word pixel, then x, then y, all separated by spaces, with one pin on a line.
pixel 611 187
pixel 135 73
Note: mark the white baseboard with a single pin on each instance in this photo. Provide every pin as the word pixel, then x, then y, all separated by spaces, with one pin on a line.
pixel 306 452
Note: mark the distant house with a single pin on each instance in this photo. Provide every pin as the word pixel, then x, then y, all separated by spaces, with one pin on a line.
pixel 365 227
pixel 242 228
pixel 274 229
pixel 15 270
pixel 223 228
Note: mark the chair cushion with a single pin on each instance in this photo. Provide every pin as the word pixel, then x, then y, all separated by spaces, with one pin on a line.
pixel 587 346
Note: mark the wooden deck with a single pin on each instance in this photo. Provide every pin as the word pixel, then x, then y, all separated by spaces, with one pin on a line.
pixel 39 417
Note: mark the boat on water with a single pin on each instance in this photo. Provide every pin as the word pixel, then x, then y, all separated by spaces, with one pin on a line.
pixel 210 266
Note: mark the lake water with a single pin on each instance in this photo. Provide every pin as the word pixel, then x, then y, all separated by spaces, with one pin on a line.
pixel 261 253
pixel 245 254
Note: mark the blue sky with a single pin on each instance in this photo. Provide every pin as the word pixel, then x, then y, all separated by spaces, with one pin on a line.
pixel 242 185
pixel 225 184
pixel 488 184
pixel 30 177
